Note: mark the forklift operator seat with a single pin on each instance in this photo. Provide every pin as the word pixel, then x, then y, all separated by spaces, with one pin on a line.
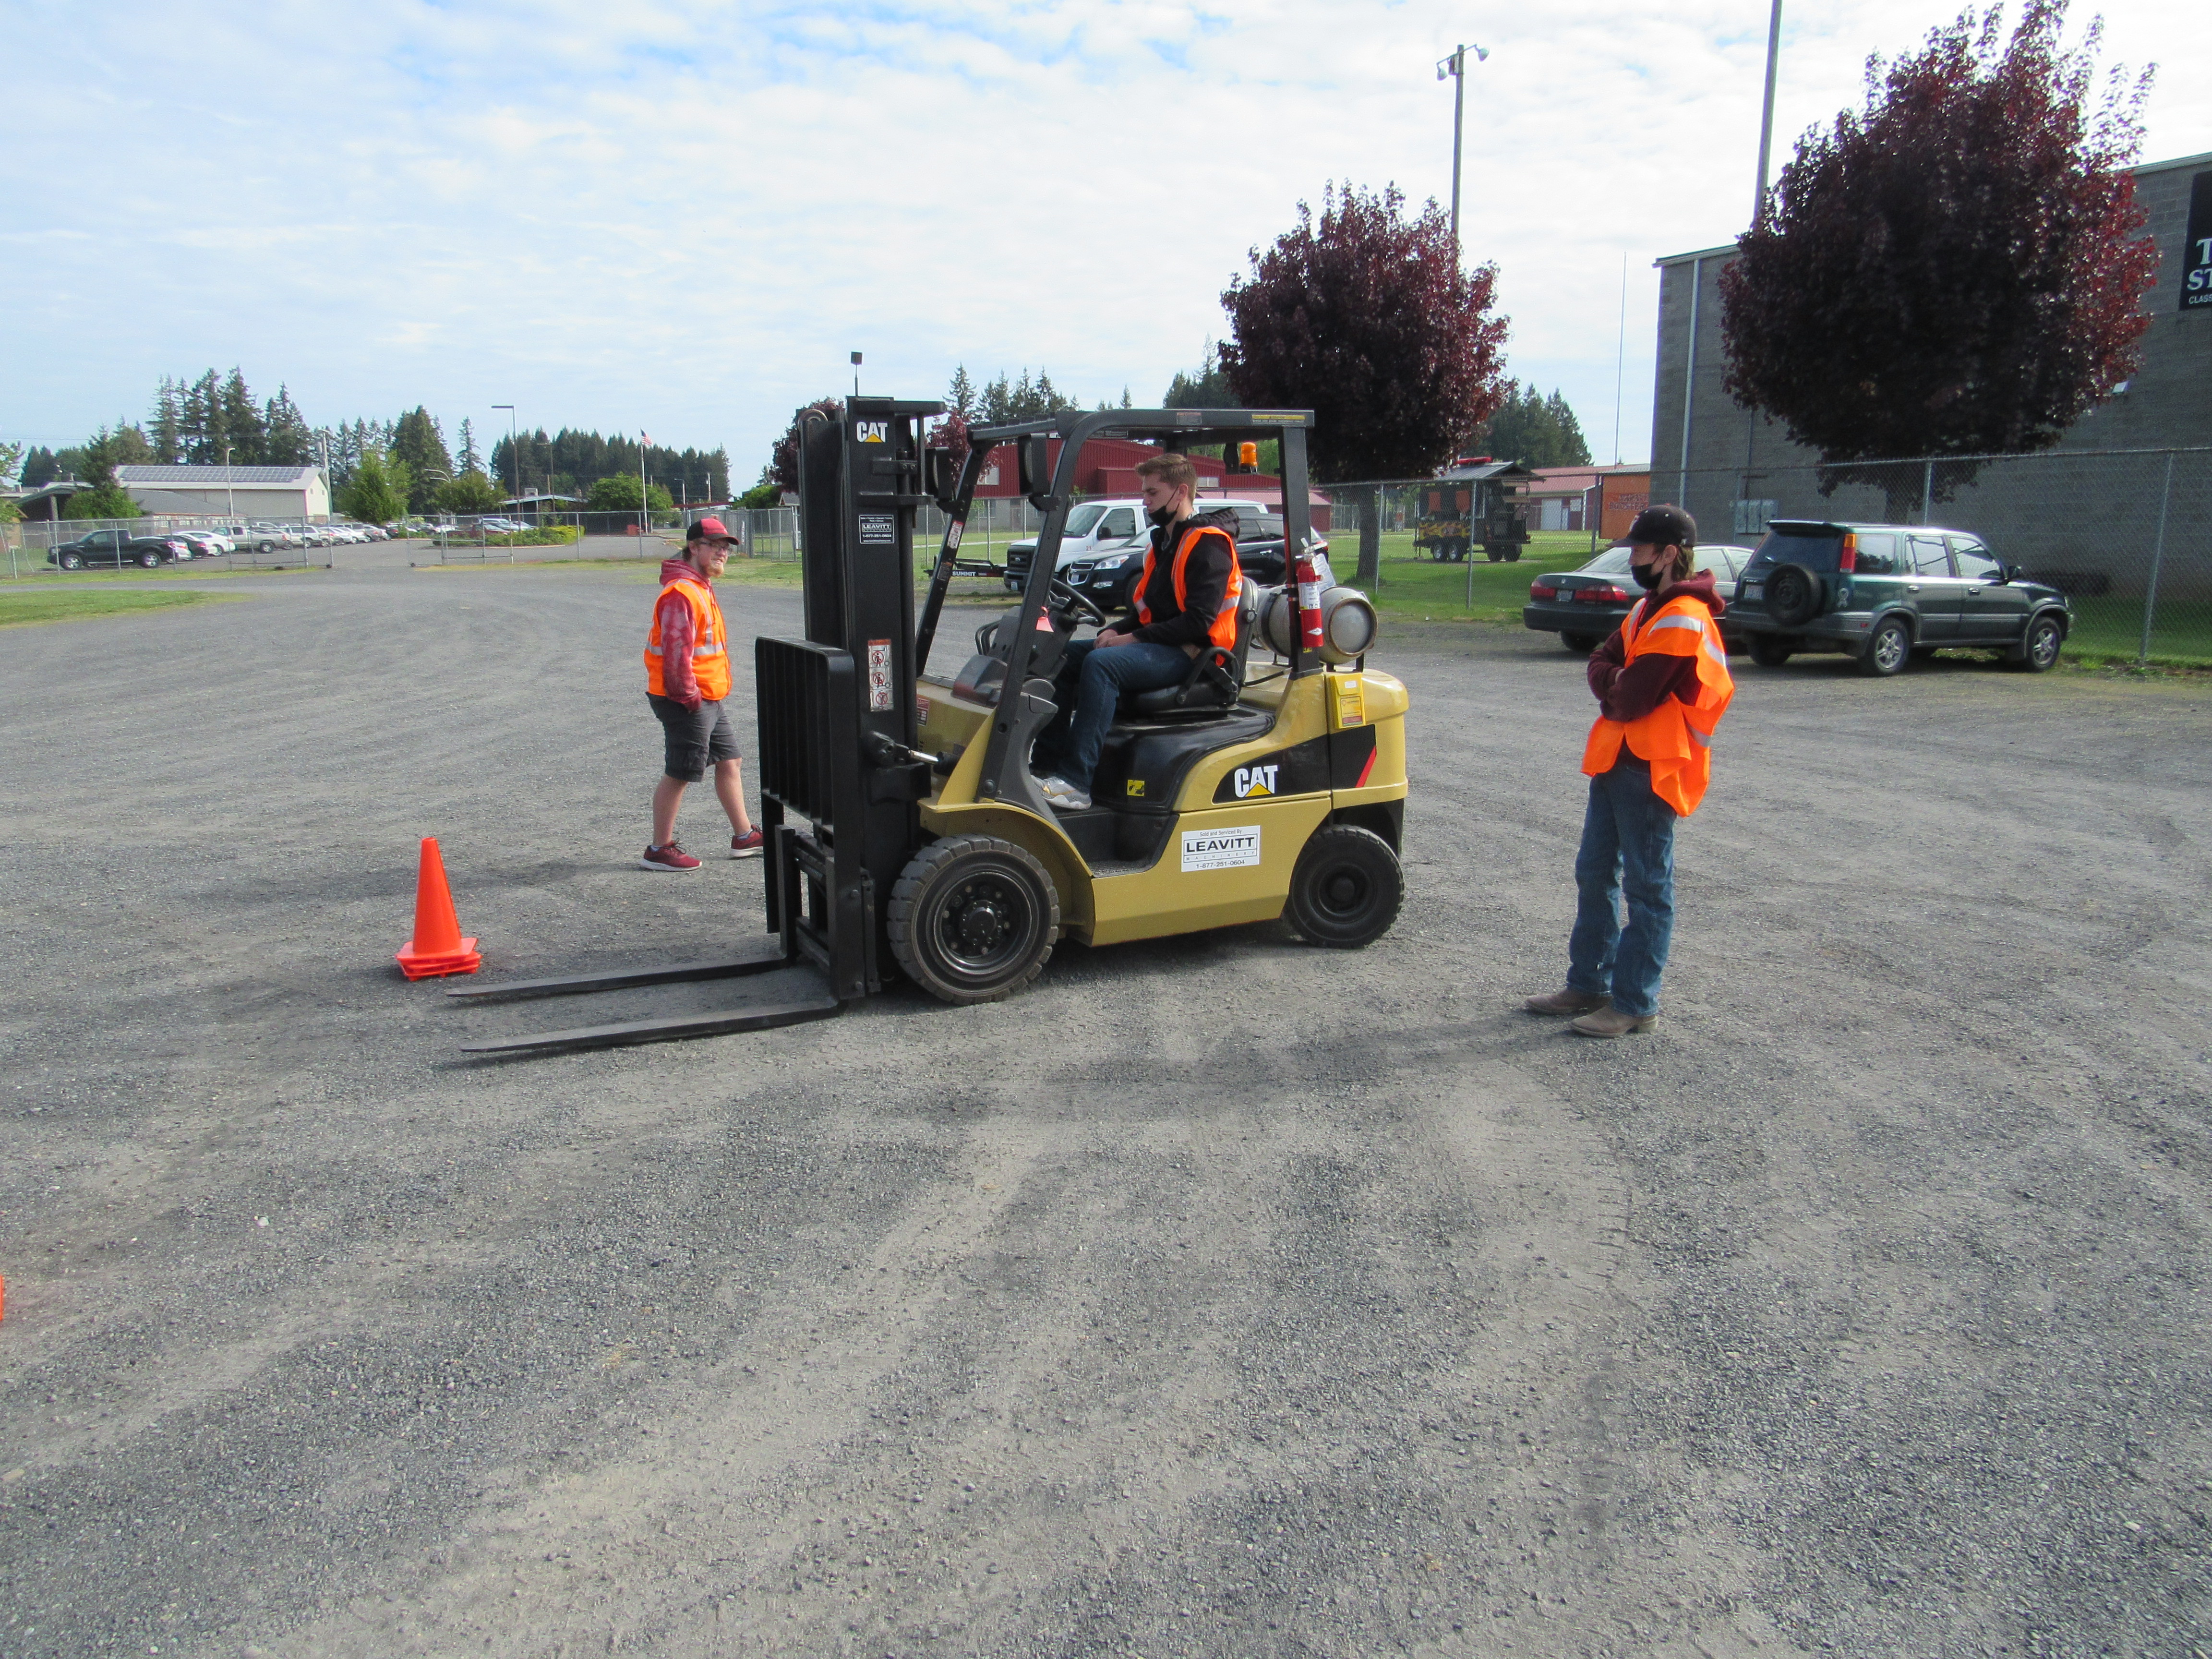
pixel 1215 676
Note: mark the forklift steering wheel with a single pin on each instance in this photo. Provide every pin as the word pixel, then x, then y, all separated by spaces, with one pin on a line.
pixel 1079 605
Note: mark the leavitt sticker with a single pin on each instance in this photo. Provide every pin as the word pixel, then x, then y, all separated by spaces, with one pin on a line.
pixel 1220 849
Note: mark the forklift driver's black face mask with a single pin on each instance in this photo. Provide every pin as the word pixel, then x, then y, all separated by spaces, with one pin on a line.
pixel 1162 516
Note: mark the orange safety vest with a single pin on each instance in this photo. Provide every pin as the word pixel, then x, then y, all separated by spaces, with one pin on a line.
pixel 710 642
pixel 1676 737
pixel 1222 632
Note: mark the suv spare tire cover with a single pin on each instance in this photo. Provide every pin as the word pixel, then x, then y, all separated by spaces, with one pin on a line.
pixel 1794 595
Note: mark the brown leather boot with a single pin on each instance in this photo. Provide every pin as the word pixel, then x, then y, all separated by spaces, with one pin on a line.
pixel 1562 1003
pixel 1610 1022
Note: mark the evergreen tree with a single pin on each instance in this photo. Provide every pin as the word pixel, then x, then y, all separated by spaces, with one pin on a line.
pixel 243 425
pixel 960 396
pixel 288 440
pixel 166 426
pixel 467 458
pixel 1533 430
pixel 40 467
pixel 1208 389
pixel 418 444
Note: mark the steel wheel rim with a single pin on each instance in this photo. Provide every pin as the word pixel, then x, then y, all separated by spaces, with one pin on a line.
pixel 982 925
pixel 1342 892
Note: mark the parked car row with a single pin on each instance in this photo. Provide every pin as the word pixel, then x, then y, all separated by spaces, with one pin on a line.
pixel 1880 593
pixel 152 549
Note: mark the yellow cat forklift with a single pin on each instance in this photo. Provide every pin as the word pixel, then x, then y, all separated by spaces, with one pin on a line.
pixel 906 832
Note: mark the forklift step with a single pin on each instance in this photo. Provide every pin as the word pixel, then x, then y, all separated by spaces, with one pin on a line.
pixel 672 974
pixel 630 1033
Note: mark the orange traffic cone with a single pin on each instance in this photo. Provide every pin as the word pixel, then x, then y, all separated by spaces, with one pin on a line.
pixel 437 947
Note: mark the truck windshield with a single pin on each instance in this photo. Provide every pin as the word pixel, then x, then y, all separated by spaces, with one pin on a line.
pixel 1815 550
pixel 1081 519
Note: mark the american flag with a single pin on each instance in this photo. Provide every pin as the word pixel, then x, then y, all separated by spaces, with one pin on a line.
pixel 646 438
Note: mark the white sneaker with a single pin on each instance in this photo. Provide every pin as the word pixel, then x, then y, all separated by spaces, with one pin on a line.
pixel 1065 795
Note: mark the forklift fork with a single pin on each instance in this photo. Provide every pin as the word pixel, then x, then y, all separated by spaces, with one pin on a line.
pixel 624 1034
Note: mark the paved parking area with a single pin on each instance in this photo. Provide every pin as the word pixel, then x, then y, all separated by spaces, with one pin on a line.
pixel 1216 1297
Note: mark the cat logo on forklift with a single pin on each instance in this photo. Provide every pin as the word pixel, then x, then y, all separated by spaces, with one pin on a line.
pixel 1251 780
pixel 873 432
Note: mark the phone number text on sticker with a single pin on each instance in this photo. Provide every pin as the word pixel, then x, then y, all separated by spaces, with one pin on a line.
pixel 1220 849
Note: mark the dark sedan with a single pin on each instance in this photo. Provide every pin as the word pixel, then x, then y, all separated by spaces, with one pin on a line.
pixel 1582 606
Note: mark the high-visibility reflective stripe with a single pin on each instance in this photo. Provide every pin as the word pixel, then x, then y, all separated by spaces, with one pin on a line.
pixel 1691 623
pixel 1697 737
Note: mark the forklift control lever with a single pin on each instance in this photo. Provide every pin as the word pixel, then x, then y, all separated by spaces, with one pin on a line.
pixel 884 751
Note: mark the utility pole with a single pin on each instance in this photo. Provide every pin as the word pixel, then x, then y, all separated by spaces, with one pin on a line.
pixel 1766 113
pixel 514 452
pixel 1456 67
pixel 229 486
pixel 856 374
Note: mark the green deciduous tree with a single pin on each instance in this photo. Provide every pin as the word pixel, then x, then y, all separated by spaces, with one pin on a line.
pixel 378 491
pixel 472 492
pixel 619 494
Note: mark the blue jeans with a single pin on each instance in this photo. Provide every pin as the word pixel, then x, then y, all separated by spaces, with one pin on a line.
pixel 1628 844
pixel 1088 688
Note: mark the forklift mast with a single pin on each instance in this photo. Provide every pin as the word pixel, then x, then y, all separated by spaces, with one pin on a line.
pixel 837 708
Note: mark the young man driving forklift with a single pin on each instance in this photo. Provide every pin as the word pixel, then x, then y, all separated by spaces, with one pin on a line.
pixel 1186 602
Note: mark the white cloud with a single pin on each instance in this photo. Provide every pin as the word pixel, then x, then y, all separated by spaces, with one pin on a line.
pixel 682 216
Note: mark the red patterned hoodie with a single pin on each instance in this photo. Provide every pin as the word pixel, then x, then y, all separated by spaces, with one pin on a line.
pixel 676 639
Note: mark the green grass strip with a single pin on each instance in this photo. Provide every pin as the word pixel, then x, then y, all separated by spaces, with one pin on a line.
pixel 20 610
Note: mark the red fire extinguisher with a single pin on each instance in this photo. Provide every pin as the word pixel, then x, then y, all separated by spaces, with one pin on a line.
pixel 1308 601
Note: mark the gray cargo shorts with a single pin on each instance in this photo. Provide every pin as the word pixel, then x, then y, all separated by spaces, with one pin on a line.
pixel 696 739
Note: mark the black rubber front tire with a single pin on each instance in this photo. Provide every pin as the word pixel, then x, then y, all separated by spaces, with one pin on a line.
pixel 2039 652
pixel 1794 596
pixel 1769 650
pixel 1888 648
pixel 1347 888
pixel 1580 644
pixel 972 919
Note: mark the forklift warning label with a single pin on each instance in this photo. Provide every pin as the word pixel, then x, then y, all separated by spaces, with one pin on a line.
pixel 879 676
pixel 1220 849
pixel 878 530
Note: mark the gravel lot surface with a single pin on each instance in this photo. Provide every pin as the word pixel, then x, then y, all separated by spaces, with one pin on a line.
pixel 1218 1296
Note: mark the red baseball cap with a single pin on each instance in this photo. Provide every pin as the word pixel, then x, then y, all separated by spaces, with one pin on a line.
pixel 707 530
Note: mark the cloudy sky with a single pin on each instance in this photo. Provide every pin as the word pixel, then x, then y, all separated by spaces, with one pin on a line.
pixel 681 217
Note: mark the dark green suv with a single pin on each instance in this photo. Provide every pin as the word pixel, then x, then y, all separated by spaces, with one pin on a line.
pixel 1883 594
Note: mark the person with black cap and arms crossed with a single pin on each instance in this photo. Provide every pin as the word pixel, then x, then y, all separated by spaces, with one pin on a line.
pixel 687 675
pixel 1661 684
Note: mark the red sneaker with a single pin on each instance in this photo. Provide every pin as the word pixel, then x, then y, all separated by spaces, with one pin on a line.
pixel 671 856
pixel 748 845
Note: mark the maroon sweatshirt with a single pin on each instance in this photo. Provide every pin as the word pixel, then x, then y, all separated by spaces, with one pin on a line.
pixel 676 639
pixel 1626 693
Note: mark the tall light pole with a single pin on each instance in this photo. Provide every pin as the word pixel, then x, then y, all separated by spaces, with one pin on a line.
pixel 1766 113
pixel 229 486
pixel 1456 67
pixel 514 452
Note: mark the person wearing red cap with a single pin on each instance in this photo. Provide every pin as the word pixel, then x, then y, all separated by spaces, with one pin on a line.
pixel 687 676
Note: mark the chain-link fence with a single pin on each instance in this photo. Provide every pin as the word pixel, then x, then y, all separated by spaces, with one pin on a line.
pixel 36 547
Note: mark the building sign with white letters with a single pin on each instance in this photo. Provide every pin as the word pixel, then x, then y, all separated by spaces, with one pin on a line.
pixel 2196 250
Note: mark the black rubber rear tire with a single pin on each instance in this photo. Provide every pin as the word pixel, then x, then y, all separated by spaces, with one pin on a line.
pixel 1580 644
pixel 2039 650
pixel 150 561
pixel 1888 648
pixel 1794 596
pixel 1347 888
pixel 972 919
pixel 72 561
pixel 1769 650
pixel 1512 555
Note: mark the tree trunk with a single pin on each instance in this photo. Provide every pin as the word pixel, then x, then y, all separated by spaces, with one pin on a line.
pixel 1366 500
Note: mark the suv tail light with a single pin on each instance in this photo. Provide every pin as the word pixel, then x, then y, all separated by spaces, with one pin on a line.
pixel 1848 560
pixel 1538 591
pixel 1605 593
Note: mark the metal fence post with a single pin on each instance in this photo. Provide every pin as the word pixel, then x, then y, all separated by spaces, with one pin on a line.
pixel 2157 557
pixel 1928 493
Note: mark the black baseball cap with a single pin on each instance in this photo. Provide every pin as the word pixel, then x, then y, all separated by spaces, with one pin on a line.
pixel 1664 527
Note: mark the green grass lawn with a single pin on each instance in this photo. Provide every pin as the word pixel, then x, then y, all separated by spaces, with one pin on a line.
pixel 19 609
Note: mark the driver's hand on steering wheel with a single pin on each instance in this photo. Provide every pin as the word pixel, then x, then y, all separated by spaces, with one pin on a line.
pixel 1109 637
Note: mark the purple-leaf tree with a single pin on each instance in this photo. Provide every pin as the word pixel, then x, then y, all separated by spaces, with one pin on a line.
pixel 1364 317
pixel 1955 269
pixel 783 464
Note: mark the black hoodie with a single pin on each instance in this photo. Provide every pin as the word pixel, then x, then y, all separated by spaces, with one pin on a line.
pixel 1204 581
